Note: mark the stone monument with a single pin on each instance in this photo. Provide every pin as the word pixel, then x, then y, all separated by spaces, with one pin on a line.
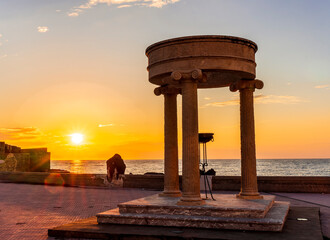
pixel 181 66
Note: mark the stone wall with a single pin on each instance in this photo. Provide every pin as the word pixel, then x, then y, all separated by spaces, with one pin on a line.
pixel 39 159
pixel 15 159
pixel 233 183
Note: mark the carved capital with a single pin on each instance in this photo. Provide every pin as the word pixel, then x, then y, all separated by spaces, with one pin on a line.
pixel 167 90
pixel 246 84
pixel 192 75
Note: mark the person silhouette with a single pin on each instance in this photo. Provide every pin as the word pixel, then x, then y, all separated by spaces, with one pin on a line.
pixel 115 163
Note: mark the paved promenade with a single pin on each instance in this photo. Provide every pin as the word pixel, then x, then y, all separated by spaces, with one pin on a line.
pixel 28 211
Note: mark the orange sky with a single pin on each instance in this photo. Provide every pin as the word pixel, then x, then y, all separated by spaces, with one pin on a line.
pixel 79 67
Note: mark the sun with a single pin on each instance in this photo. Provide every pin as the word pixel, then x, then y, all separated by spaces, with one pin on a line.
pixel 77 138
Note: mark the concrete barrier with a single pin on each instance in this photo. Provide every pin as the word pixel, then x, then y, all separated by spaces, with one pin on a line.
pixel 233 183
pixel 277 184
pixel 156 182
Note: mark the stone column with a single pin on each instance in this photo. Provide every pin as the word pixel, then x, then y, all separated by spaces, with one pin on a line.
pixel 249 185
pixel 190 159
pixel 171 170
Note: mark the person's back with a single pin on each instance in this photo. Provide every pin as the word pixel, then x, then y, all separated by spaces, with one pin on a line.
pixel 115 162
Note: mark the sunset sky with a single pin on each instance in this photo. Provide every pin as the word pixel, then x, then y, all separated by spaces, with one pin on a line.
pixel 79 66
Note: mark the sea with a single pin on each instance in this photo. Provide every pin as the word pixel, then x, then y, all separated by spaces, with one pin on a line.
pixel 223 167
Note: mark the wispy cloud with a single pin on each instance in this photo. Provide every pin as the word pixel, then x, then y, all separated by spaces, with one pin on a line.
pixel 327 86
pixel 223 104
pixel 106 125
pixel 43 29
pixel 262 99
pixel 124 6
pixel 76 11
pixel 266 99
pixel 24 133
pixel 2 40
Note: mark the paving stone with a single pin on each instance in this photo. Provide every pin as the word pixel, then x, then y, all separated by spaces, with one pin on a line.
pixel 34 204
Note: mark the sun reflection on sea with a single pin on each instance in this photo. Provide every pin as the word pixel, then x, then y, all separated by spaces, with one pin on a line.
pixel 76 166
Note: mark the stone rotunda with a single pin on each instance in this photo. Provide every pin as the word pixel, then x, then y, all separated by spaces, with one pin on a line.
pixel 181 66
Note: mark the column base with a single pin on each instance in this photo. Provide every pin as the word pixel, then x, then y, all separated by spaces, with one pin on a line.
pixel 249 196
pixel 191 201
pixel 170 194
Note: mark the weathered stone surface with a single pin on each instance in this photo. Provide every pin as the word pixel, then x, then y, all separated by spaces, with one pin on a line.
pixel 9 163
pixel 249 186
pixel 223 59
pixel 273 221
pixel 171 166
pixel 39 159
pixel 293 230
pixel 190 150
pixel 295 184
pixel 23 162
pixel 226 205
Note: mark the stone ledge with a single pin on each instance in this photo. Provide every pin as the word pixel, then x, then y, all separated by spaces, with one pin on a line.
pixel 226 205
pixel 293 230
pixel 298 184
pixel 272 221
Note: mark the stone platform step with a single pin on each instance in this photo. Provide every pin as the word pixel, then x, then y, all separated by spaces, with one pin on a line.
pixel 226 205
pixel 292 230
pixel 232 213
pixel 273 221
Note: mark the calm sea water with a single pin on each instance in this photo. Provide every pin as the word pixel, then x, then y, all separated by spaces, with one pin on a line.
pixel 223 167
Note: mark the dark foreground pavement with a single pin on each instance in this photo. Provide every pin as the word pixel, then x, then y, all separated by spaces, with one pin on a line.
pixel 28 211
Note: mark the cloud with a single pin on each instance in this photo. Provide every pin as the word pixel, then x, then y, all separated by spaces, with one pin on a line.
pixel 106 125
pixel 20 133
pixel 223 104
pixel 76 11
pixel 43 29
pixel 262 99
pixel 265 99
pixel 327 86
pixel 73 14
pixel 124 6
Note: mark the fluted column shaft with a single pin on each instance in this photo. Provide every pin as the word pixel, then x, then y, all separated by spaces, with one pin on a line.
pixel 171 169
pixel 249 185
pixel 190 158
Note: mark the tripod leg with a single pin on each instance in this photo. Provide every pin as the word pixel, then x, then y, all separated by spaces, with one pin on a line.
pixel 208 184
pixel 205 188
